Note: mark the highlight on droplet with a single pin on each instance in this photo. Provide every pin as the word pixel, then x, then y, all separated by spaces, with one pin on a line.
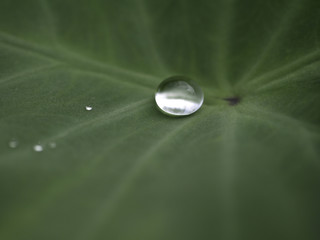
pixel 38 148
pixel 88 108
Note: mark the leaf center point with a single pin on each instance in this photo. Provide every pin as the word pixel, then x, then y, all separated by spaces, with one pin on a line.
pixel 233 100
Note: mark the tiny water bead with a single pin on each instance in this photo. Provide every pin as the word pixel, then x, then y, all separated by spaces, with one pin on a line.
pixel 38 148
pixel 88 108
pixel 52 145
pixel 179 96
pixel 13 143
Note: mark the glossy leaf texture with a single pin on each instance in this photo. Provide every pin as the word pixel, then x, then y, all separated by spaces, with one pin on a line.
pixel 245 166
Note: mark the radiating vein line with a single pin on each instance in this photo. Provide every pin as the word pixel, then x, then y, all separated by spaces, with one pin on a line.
pixel 287 125
pixel 60 187
pixel 104 118
pixel 309 146
pixel 228 169
pixel 308 73
pixel 123 187
pixel 50 53
pixel 284 26
pixel 81 61
pixel 110 78
pixel 68 57
pixel 100 120
pixel 296 65
pixel 50 19
pixel 224 30
pixel 310 149
pixel 76 178
pixel 107 209
pixel 257 113
pixel 188 36
pixel 19 45
pixel 148 35
pixel 29 72
pixel 299 63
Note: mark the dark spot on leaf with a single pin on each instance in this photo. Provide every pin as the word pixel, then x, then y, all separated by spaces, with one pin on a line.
pixel 232 100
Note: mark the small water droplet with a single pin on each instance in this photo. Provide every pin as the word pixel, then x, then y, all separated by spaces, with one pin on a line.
pixel 88 108
pixel 38 148
pixel 13 143
pixel 52 145
pixel 179 96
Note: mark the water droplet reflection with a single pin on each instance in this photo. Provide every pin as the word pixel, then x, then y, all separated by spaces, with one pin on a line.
pixel 88 108
pixel 13 143
pixel 179 96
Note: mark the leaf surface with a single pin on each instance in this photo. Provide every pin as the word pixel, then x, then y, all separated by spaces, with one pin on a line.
pixel 248 170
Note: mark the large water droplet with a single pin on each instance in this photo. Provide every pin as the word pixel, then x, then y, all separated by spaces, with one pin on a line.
pixel 88 108
pixel 179 96
pixel 38 148
pixel 13 143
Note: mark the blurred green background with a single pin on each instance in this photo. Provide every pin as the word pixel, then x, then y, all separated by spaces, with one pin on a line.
pixel 124 171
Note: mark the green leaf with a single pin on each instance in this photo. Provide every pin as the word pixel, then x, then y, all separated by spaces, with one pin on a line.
pixel 124 171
